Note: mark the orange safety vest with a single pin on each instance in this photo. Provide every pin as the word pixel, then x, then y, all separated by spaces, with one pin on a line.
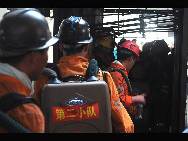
pixel 29 115
pixel 77 65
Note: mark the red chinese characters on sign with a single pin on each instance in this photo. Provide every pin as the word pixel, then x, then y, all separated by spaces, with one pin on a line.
pixel 75 113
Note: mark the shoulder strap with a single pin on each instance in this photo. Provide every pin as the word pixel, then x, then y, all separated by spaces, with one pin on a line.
pixel 12 100
pixel 124 76
pixel 11 125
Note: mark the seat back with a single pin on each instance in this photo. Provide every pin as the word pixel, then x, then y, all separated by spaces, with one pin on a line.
pixel 77 107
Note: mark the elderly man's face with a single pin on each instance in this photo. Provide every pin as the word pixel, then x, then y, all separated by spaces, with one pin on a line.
pixel 40 61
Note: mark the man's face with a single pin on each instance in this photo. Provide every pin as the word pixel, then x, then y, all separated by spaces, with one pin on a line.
pixel 39 62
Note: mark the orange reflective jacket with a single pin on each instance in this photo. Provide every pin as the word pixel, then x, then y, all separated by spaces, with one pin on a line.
pixel 29 115
pixel 77 65
pixel 121 83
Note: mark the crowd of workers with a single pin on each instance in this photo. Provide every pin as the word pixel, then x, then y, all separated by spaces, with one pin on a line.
pixel 24 41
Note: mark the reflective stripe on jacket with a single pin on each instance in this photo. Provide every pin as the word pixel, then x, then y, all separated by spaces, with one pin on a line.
pixel 29 115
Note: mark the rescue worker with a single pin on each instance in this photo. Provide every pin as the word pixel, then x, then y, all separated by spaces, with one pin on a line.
pixel 127 54
pixel 159 68
pixel 24 41
pixel 104 44
pixel 76 45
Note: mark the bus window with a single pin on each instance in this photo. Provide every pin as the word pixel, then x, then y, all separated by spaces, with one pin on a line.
pixel 51 25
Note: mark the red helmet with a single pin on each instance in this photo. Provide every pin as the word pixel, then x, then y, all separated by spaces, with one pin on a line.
pixel 131 46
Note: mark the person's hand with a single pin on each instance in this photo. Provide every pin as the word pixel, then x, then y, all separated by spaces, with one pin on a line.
pixel 139 99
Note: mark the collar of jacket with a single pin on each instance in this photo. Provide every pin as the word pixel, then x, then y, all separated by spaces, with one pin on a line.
pixel 72 65
pixel 118 65
pixel 9 70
